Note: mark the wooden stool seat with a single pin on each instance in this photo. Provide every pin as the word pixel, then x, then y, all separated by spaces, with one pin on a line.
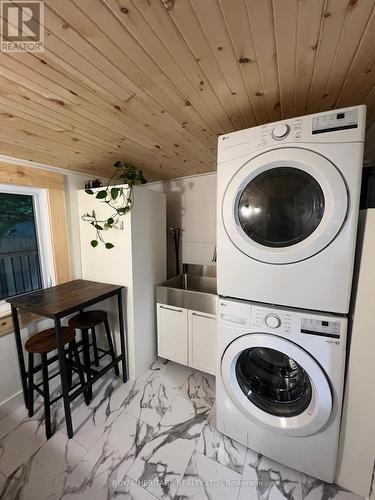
pixel 45 341
pixel 87 319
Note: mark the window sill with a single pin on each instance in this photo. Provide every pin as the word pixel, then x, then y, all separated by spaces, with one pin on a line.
pixel 6 323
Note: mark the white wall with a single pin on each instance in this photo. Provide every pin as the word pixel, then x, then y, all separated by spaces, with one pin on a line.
pixel 73 183
pixel 191 205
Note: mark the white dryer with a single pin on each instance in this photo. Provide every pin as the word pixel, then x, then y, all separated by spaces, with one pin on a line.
pixel 288 199
pixel 280 378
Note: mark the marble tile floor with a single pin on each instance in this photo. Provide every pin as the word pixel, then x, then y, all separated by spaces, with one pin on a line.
pixel 150 438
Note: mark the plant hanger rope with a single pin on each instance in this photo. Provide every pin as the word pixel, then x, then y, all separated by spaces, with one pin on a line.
pixel 118 198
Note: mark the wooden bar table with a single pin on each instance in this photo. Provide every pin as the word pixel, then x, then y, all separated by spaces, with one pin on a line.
pixel 56 303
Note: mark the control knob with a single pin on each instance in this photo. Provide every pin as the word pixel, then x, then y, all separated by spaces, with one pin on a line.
pixel 273 321
pixel 280 131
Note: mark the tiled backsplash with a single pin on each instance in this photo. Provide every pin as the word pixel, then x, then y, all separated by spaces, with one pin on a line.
pixel 191 205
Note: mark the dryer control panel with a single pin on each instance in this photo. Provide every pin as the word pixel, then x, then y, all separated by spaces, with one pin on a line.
pixel 346 125
pixel 331 122
pixel 281 131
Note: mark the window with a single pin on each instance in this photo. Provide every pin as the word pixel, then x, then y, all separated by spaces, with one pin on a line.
pixel 25 243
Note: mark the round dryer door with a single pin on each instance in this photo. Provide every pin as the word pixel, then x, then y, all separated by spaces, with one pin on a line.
pixel 285 205
pixel 277 384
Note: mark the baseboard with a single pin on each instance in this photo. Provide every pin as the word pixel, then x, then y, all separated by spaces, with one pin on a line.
pixel 11 404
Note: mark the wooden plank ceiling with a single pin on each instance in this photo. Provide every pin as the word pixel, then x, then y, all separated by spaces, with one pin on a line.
pixel 154 82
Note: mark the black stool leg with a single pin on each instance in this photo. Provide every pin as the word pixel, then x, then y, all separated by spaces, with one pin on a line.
pixel 95 346
pixel 47 412
pixel 110 345
pixel 86 358
pixel 31 384
pixel 79 370
pixel 69 369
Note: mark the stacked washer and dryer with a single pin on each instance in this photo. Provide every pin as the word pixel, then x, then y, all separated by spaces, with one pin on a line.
pixel 288 202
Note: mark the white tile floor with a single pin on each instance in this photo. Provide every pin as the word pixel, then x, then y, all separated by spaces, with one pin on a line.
pixel 150 438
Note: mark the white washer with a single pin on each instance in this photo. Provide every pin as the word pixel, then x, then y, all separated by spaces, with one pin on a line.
pixel 288 198
pixel 279 382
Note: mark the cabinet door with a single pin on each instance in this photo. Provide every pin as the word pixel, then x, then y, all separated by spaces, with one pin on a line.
pixel 202 341
pixel 172 333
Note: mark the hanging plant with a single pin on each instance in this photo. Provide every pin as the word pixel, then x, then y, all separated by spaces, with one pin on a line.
pixel 120 199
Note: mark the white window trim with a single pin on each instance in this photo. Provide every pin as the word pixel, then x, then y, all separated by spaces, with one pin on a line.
pixel 43 232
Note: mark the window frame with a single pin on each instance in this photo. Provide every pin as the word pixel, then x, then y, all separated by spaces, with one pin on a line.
pixel 43 235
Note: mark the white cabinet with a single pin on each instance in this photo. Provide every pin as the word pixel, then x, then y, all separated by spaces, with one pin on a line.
pixel 187 337
pixel 202 341
pixel 173 333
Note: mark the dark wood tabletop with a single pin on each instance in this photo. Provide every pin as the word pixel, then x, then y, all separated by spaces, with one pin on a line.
pixel 61 300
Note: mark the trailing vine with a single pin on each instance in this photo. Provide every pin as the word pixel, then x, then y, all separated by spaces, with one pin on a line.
pixel 120 199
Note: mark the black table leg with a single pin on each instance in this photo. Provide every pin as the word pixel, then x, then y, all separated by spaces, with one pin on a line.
pixel 21 360
pixel 122 335
pixel 63 375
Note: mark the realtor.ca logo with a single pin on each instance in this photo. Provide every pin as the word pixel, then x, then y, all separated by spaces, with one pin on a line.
pixel 22 26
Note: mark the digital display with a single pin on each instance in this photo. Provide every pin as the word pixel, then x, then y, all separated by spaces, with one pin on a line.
pixel 333 122
pixel 324 328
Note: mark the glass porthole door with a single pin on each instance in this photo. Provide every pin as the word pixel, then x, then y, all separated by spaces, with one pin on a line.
pixel 285 206
pixel 277 384
pixel 273 381
pixel 281 207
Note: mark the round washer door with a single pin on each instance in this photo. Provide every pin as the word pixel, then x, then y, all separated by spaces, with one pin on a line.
pixel 285 205
pixel 276 384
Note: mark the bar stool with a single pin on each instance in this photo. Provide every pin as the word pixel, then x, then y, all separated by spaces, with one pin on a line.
pixel 89 320
pixel 43 343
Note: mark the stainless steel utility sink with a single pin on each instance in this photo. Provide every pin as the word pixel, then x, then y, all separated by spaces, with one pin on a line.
pixel 198 293
pixel 203 284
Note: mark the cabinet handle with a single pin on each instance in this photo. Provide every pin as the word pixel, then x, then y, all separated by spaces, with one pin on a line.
pixel 171 309
pixel 200 315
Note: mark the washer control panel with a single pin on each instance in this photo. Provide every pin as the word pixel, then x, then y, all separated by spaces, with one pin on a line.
pixel 284 322
pixel 273 321
pixel 237 317
pixel 280 321
pixel 324 328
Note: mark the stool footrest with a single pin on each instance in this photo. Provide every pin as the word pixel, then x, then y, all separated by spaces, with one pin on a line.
pixel 60 395
pixel 37 389
pixel 54 375
pixel 96 377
